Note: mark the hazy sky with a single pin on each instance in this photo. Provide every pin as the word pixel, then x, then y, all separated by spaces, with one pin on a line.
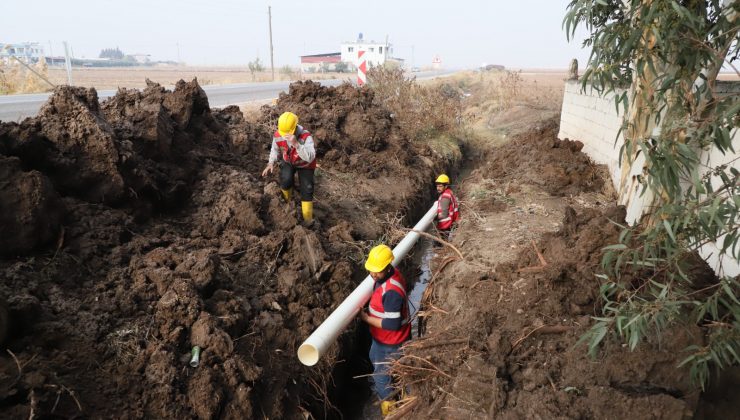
pixel 465 33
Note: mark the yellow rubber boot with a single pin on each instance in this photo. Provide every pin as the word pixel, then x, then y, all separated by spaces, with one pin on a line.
pixel 386 408
pixel 307 209
pixel 286 194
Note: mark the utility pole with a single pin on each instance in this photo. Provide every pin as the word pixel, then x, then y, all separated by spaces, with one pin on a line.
pixel 68 63
pixel 51 54
pixel 272 61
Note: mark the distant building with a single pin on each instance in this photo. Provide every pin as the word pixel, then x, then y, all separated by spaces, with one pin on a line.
pixel 141 58
pixel 28 52
pixel 320 62
pixel 376 53
pixel 492 67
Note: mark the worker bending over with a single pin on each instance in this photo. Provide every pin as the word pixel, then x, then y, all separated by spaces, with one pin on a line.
pixel 388 318
pixel 294 146
pixel 447 210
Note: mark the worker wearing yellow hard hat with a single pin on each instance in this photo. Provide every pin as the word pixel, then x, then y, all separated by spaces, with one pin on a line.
pixel 294 147
pixel 388 318
pixel 447 208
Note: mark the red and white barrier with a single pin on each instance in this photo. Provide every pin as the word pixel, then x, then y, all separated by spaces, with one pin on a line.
pixel 361 68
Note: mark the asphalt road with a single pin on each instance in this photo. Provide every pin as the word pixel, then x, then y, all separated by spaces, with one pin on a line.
pixel 18 107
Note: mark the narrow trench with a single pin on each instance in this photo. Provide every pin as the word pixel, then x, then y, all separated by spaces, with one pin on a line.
pixel 354 396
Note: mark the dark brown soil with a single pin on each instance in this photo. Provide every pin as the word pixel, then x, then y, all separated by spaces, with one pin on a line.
pixel 30 210
pixel 503 333
pixel 353 132
pixel 140 227
pixel 537 157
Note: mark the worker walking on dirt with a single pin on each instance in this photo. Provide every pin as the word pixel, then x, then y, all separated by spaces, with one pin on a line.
pixel 388 317
pixel 447 210
pixel 294 146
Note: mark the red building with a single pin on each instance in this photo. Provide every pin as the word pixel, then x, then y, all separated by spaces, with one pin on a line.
pixel 317 63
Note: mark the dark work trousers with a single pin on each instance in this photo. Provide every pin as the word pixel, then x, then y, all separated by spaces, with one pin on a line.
pixel 305 177
pixel 381 356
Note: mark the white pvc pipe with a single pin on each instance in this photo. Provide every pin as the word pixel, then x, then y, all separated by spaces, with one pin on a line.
pixel 318 343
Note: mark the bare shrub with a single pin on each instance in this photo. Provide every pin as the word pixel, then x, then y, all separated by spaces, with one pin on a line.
pixel 287 73
pixel 509 88
pixel 10 78
pixel 14 78
pixel 422 111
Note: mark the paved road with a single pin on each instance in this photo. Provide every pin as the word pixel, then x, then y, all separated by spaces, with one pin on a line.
pixel 18 107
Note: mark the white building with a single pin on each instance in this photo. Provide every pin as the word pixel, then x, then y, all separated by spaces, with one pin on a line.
pixel 376 53
pixel 28 52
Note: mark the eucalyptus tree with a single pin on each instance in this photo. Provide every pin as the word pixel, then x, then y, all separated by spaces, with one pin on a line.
pixel 663 58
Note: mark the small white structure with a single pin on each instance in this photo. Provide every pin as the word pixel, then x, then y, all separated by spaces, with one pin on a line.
pixel 376 53
pixel 436 62
pixel 141 58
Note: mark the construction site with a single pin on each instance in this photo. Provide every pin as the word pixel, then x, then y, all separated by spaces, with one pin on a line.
pixel 151 267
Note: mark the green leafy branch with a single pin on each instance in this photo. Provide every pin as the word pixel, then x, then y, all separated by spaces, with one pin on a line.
pixel 669 54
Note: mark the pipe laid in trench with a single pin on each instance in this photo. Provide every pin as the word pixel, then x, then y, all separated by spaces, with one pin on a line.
pixel 318 343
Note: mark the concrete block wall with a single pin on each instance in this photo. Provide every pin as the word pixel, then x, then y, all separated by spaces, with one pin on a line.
pixel 595 121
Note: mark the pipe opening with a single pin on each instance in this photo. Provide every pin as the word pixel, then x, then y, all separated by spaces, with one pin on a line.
pixel 308 354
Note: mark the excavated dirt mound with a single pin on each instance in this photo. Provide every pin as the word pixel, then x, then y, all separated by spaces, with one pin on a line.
pixel 351 130
pixel 503 330
pixel 518 356
pixel 538 157
pixel 144 228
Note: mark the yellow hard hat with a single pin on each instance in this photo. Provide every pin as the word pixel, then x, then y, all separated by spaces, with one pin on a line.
pixel 379 258
pixel 287 123
pixel 442 179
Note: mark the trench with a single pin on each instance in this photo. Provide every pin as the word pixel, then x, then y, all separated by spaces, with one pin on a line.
pixel 359 401
pixel 351 394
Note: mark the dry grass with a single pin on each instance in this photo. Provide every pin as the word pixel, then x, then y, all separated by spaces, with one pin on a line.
pixel 125 343
pixel 492 92
pixel 15 78
pixel 423 111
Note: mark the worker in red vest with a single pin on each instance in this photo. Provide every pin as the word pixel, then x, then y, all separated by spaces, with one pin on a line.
pixel 293 145
pixel 388 318
pixel 447 210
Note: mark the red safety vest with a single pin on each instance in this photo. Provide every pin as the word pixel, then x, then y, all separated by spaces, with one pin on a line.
pixel 397 284
pixel 453 213
pixel 290 154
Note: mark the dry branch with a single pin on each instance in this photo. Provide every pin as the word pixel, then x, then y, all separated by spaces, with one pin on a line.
pixel 434 367
pixel 437 239
pixel 422 345
pixel 404 409
pixel 442 267
pixel 17 363
pixel 543 262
